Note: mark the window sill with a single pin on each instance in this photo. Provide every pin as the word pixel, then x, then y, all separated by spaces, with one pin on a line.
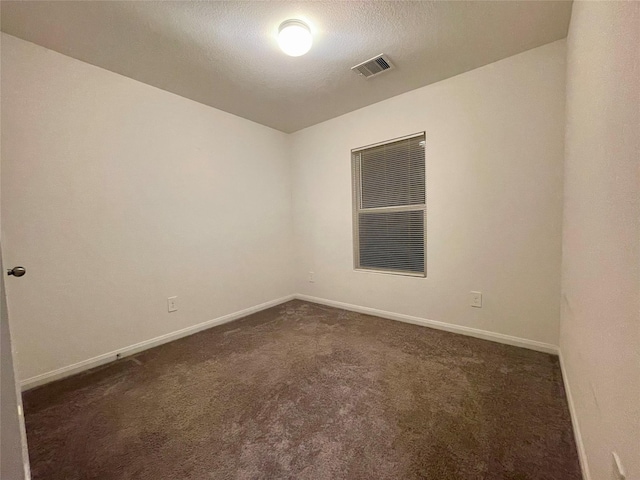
pixel 389 272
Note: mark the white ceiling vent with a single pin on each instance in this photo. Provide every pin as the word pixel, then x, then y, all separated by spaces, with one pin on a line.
pixel 373 66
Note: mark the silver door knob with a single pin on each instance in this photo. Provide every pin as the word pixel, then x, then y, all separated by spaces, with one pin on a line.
pixel 17 271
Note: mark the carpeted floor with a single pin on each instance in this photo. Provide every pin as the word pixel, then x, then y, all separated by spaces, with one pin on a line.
pixel 303 391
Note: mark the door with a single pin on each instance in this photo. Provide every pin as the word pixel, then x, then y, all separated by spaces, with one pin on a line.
pixel 14 460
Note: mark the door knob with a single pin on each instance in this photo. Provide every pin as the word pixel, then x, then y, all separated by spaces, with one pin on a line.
pixel 17 271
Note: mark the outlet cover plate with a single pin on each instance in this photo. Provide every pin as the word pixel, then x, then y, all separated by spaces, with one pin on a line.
pixel 172 304
pixel 475 299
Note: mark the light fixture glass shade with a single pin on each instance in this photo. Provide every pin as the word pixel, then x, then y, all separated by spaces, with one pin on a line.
pixel 294 37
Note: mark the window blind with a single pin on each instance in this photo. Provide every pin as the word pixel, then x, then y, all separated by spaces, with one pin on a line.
pixel 390 206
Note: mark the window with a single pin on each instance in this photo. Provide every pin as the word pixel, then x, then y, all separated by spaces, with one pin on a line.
pixel 389 206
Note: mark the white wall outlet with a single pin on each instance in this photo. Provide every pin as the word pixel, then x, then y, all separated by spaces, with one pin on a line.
pixel 312 277
pixel 172 304
pixel 475 299
pixel 618 468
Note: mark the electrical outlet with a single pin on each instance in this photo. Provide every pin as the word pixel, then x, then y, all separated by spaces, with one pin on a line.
pixel 618 469
pixel 475 299
pixel 172 304
pixel 312 277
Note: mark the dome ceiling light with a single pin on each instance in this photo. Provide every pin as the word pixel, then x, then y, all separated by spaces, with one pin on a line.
pixel 294 37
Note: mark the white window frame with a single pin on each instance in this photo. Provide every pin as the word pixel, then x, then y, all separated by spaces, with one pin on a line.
pixel 356 177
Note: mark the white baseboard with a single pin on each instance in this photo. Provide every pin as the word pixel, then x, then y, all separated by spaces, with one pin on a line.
pixel 138 347
pixel 154 342
pixel 582 454
pixel 471 332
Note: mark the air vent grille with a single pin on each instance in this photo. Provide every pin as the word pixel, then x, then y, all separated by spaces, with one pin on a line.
pixel 373 66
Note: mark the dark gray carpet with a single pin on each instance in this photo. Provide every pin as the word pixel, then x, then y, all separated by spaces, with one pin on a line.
pixel 302 391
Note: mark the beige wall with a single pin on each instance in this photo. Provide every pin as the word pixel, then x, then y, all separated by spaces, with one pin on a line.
pixel 117 195
pixel 494 198
pixel 600 327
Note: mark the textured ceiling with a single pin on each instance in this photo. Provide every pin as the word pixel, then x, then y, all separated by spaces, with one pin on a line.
pixel 225 54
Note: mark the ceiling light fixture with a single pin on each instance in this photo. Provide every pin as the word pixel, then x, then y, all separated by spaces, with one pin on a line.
pixel 294 37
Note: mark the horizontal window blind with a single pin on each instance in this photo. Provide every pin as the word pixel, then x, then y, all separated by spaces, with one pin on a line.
pixel 390 206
